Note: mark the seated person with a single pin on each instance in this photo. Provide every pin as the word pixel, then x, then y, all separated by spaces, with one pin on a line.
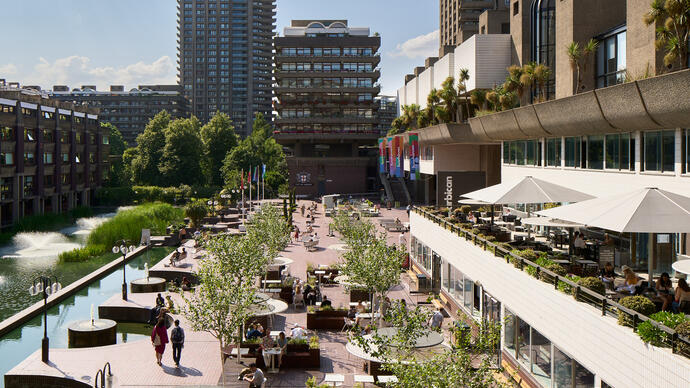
pixel 366 330
pixel 632 281
pixel 186 284
pixel 255 377
pixel 326 302
pixel 298 332
pixel 281 342
pixel 436 319
pixel 352 313
pixel 174 258
pixel 260 329
pixel 664 289
pixel 183 255
pixel 682 295
pixel 579 243
pixel 160 302
pixel 253 333
pixel 267 343
pixel 361 308
pixel 608 275
pixel 310 299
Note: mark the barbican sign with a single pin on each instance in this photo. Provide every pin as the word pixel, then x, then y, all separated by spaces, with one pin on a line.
pixel 451 185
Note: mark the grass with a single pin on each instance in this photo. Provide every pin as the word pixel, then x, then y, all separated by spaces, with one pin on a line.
pixel 45 222
pixel 126 225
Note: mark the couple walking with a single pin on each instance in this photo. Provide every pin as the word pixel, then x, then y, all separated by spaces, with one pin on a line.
pixel 159 337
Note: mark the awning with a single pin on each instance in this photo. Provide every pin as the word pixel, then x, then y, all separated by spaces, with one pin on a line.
pixel 527 190
pixel 548 221
pixel 648 210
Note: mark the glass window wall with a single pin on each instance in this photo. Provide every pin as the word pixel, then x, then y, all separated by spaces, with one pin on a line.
pixel 573 156
pixel 595 152
pixel 553 152
pixel 659 150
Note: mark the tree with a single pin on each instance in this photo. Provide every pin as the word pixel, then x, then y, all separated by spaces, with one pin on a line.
pixel 257 149
pixel 542 73
pixel 432 111
pixel 117 174
pixel 181 159
pixel 513 83
pixel 672 21
pixel 221 302
pixel 450 98
pixel 196 211
pixel 269 228
pixel 149 150
pixel 218 137
pixel 579 58
pixel 478 98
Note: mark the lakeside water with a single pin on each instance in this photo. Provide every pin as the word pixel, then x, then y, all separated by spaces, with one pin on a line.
pixel 36 253
pixel 23 341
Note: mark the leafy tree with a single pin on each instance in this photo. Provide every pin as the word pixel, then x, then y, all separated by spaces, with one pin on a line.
pixel 181 160
pixel 117 174
pixel 257 149
pixel 221 302
pixel 450 99
pixel 463 77
pixel 145 160
pixel 218 137
pixel 196 211
pixel 672 21
pixel 269 228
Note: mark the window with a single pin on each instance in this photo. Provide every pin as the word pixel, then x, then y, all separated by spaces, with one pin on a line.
pixel 618 152
pixel 553 152
pixel 543 26
pixel 65 157
pixel 516 8
pixel 7 133
pixel 595 152
pixel 49 180
pixel 48 136
pixel 29 158
pixel 685 149
pixel 6 188
pixel 573 156
pixel 28 186
pixel 569 373
pixel 658 150
pixel 29 135
pixel 611 59
pixel 541 358
pixel 64 137
pixel 48 158
pixel 7 158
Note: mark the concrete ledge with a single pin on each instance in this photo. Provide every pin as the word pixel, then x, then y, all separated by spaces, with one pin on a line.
pixel 502 125
pixel 527 119
pixel 38 381
pixel 666 98
pixel 35 309
pixel 578 114
pixel 623 107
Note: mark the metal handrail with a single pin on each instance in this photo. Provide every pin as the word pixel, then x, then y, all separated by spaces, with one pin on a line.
pixel 604 303
pixel 101 373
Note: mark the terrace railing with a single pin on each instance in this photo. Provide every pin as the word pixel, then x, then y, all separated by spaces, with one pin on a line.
pixel 668 337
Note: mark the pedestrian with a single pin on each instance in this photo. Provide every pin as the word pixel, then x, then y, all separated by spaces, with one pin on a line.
pixel 177 340
pixel 257 378
pixel 408 209
pixel 296 233
pixel 437 319
pixel 159 337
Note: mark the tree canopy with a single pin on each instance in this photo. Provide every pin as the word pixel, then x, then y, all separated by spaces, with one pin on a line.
pixel 218 137
pixel 181 160
pixel 117 174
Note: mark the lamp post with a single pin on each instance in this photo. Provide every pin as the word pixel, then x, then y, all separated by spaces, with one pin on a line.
pixel 212 203
pixel 121 247
pixel 47 285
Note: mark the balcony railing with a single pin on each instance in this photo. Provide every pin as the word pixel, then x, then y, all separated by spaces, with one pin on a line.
pixel 670 338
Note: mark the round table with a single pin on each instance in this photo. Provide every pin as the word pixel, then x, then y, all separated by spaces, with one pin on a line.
pixel 426 346
pixel 282 261
pixel 682 266
pixel 272 352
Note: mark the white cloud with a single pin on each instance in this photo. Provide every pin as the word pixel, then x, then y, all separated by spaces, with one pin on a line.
pixel 421 46
pixel 7 70
pixel 75 71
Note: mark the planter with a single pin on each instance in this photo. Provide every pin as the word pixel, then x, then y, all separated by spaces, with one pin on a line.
pixel 326 320
pixel 359 295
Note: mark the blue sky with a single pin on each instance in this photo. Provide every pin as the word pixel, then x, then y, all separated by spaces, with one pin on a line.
pixel 132 42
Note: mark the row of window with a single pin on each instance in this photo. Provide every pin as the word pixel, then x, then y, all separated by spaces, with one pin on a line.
pixel 657 151
pixel 8 134
pixel 28 187
pixel 327 66
pixel 326 113
pixel 7 158
pixel 326 82
pixel 327 128
pixel 327 51
pixel 545 361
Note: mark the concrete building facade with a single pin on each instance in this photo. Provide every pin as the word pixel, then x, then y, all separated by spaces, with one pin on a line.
pixel 130 110
pixel 53 155
pixel 326 89
pixel 459 19
pixel 225 58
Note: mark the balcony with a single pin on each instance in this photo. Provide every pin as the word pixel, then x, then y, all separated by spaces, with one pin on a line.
pixel 581 322
pixel 286 135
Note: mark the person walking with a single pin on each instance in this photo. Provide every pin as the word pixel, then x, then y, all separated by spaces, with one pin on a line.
pixel 177 340
pixel 159 337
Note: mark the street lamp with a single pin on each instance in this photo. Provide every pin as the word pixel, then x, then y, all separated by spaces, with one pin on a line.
pixel 47 285
pixel 212 204
pixel 121 247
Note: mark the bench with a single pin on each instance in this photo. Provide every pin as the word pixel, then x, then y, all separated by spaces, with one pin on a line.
pixel 311 245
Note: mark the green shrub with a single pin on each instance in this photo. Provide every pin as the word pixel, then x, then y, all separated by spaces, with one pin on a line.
pixel 637 303
pixel 297 341
pixel 490 238
pixel 555 268
pixel 314 342
pixel 465 209
pixel 655 336
pixel 82 254
pixel 196 211
pixel 528 254
pixel 505 246
pixel 565 287
pixel 593 283
pixel 683 329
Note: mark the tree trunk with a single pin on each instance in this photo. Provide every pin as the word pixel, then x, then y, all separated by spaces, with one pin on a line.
pixel 222 363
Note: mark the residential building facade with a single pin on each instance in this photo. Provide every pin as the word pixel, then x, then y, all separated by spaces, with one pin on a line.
pixel 459 19
pixel 326 89
pixel 53 154
pixel 621 125
pixel 225 58
pixel 387 112
pixel 130 110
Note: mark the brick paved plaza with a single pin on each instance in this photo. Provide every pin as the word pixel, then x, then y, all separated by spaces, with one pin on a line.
pixel 134 365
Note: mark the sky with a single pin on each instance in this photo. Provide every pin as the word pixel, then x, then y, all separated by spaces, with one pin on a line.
pixel 133 42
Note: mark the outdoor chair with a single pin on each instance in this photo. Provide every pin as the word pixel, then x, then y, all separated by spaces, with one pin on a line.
pixel 349 324
pixel 298 298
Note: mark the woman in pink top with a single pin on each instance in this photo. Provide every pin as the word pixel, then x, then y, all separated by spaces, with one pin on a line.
pixel 159 338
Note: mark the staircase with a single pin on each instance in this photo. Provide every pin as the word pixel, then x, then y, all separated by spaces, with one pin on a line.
pixel 396 189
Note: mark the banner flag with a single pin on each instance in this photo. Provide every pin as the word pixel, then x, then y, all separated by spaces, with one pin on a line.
pixel 399 157
pixel 382 155
pixel 389 149
pixel 414 156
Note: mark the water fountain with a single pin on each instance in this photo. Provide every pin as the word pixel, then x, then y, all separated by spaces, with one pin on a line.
pixel 94 332
pixel 147 284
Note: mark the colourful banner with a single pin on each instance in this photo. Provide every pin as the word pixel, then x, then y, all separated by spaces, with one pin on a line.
pixel 382 155
pixel 391 162
pixel 398 156
pixel 414 156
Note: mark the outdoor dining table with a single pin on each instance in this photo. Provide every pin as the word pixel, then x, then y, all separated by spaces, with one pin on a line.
pixel 682 266
pixel 336 378
pixel 320 272
pixel 273 353
pixel 587 263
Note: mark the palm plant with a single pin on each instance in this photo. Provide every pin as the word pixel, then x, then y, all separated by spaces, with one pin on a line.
pixel 513 83
pixel 463 77
pixel 432 104
pixel 449 96
pixel 672 21
pixel 579 58
pixel 542 73
pixel 527 79
pixel 478 98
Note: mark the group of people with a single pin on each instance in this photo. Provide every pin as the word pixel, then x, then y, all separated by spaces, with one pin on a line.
pixel 671 298
pixel 159 339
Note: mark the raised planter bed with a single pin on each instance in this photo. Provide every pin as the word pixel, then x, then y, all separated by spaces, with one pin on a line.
pixel 326 320
pixel 359 295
